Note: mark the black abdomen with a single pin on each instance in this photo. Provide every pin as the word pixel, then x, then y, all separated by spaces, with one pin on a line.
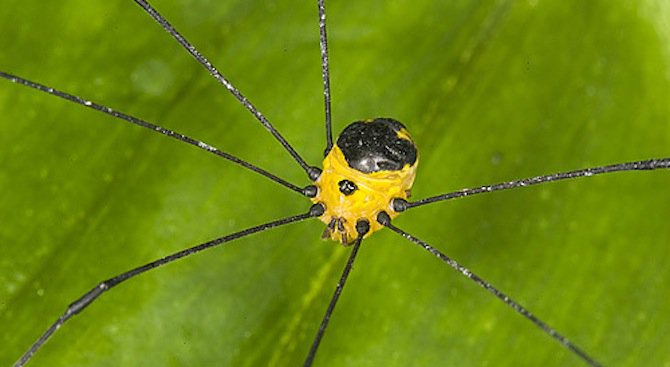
pixel 377 145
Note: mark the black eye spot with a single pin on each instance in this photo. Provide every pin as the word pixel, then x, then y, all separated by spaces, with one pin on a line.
pixel 347 187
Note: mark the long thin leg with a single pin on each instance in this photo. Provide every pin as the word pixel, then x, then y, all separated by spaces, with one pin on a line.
pixel 312 172
pixel 139 122
pixel 650 164
pixel 384 219
pixel 90 296
pixel 325 74
pixel 362 227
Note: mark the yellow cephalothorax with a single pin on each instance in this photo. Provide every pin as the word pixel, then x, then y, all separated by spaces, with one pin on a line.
pixel 372 163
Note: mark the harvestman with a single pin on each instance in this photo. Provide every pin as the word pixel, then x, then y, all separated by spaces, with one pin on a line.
pixel 349 228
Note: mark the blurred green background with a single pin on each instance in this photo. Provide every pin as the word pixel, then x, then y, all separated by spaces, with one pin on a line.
pixel 491 91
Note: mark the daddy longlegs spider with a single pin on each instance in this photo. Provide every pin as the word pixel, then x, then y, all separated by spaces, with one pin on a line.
pixel 408 299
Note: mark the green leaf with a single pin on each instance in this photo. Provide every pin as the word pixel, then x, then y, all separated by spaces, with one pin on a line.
pixel 491 91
